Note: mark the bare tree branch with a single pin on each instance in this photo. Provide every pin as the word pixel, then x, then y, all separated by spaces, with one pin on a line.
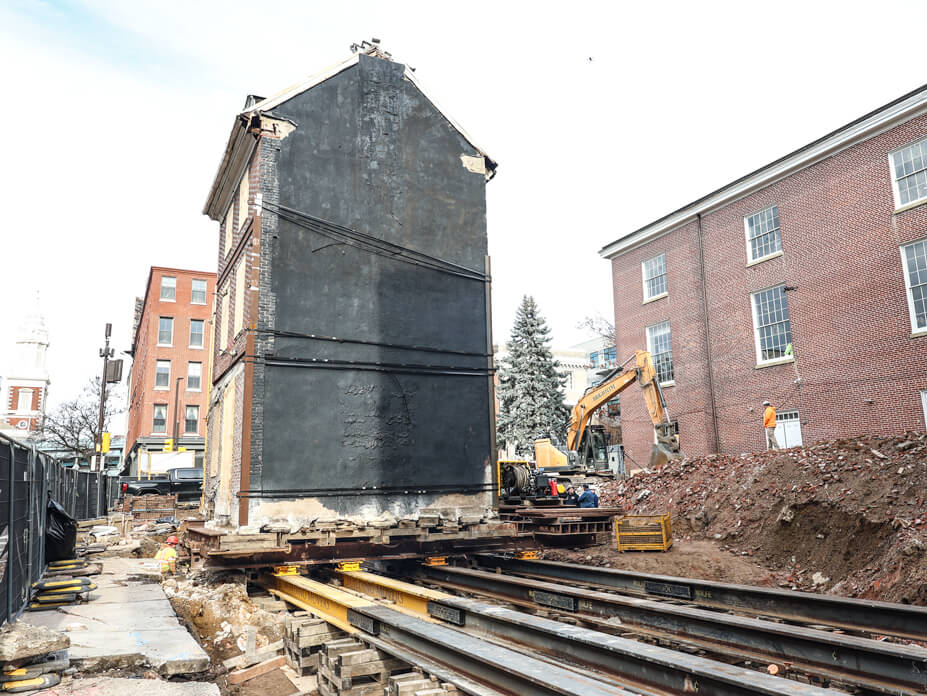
pixel 601 327
pixel 73 426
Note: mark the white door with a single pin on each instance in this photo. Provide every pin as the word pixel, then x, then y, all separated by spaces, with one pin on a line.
pixel 788 429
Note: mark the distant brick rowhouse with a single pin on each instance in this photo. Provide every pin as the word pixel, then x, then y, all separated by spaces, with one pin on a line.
pixel 172 355
pixel 804 282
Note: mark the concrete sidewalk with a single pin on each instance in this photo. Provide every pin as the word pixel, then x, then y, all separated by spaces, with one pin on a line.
pixel 103 686
pixel 128 622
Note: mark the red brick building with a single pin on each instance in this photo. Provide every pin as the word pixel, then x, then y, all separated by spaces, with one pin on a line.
pixel 804 282
pixel 172 351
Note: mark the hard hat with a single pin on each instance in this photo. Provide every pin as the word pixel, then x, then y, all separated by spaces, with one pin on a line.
pixel 766 403
pixel 173 540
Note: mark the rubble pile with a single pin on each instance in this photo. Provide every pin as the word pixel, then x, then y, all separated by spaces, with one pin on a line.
pixel 845 516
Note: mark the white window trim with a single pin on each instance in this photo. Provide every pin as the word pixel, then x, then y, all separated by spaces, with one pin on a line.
pixel 912 316
pixel 649 343
pixel 206 292
pixel 756 332
pixel 161 288
pixel 896 195
pixel 165 345
pixel 190 333
pixel 644 279
pixel 191 432
pixel 153 431
pixel 760 259
pixel 924 404
pixel 168 387
pixel 187 381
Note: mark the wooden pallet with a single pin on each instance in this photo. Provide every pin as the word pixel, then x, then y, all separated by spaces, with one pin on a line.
pixel 304 638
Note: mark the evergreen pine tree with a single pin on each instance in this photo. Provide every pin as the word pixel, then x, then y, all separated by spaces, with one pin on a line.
pixel 530 388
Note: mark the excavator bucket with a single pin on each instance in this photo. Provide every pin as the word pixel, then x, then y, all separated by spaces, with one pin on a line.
pixel 662 453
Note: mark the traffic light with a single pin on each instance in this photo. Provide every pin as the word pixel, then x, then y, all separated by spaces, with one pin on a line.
pixel 169 444
pixel 105 446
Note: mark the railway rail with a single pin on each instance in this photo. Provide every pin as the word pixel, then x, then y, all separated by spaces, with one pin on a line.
pixel 861 663
pixel 865 616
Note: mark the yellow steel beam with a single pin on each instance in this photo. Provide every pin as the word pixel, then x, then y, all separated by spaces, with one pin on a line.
pixel 412 598
pixel 324 601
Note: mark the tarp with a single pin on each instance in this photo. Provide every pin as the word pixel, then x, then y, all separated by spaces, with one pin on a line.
pixel 60 533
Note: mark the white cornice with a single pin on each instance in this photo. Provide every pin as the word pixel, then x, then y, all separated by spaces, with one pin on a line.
pixel 904 109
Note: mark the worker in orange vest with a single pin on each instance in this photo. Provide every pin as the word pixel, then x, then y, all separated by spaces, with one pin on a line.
pixel 769 422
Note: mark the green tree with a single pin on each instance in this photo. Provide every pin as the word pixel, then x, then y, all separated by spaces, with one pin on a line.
pixel 530 388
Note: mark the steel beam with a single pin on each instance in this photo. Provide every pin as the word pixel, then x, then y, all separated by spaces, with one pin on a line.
pixel 881 667
pixel 886 618
pixel 476 661
pixel 638 665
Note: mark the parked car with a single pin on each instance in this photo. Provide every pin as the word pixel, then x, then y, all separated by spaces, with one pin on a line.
pixel 186 483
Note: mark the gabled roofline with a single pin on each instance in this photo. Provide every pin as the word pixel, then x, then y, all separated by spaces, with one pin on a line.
pixel 242 141
pixel 905 108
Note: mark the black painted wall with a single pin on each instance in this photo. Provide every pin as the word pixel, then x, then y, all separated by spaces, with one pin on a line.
pixel 372 153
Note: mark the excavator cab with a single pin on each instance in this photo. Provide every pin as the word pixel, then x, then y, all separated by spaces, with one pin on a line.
pixel 593 451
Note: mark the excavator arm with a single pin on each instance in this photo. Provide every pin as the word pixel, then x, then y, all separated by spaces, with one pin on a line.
pixel 617 381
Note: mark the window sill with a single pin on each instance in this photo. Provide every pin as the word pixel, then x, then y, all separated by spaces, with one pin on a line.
pixel 162 388
pixel 195 347
pixel 773 363
pixel 198 391
pixel 655 297
pixel 664 385
pixel 919 333
pixel 909 206
pixel 198 304
pixel 165 345
pixel 166 299
pixel 764 258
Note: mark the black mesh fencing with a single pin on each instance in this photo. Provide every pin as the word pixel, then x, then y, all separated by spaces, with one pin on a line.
pixel 27 479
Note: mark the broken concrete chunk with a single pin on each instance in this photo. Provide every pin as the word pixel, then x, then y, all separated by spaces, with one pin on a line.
pixel 786 515
pixel 21 641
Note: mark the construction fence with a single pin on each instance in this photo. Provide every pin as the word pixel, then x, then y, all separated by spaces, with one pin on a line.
pixel 27 479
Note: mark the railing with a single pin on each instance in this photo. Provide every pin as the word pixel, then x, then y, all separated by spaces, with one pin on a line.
pixel 27 478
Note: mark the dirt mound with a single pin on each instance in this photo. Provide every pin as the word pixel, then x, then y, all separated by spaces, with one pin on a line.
pixel 845 516
pixel 217 608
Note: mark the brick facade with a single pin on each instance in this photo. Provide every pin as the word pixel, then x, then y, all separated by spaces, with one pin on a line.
pixel 143 394
pixel 858 366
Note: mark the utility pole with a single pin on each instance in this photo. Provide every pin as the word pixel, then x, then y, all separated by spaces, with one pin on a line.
pixel 106 353
pixel 176 414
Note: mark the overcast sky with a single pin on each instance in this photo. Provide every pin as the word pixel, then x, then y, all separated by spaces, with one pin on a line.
pixel 602 116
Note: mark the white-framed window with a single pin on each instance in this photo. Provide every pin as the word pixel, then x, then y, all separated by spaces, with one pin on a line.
pixel 772 330
pixel 914 258
pixel 198 292
pixel 168 289
pixel 661 351
pixel 163 374
pixel 191 420
pixel 24 400
pixel 159 420
pixel 762 230
pixel 654 274
pixel 165 331
pixel 194 376
pixel 924 404
pixel 909 173
pixel 196 333
pixel 594 358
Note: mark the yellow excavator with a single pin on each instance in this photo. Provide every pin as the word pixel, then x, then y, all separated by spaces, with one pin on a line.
pixel 588 441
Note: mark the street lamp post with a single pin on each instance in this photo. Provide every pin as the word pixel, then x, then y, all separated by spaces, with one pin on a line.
pixel 106 353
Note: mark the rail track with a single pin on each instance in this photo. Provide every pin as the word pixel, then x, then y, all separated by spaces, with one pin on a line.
pixel 826 656
pixel 485 648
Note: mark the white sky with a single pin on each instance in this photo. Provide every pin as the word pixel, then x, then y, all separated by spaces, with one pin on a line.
pixel 117 114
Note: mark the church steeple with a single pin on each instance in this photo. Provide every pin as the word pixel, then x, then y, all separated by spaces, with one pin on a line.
pixel 26 383
pixel 31 345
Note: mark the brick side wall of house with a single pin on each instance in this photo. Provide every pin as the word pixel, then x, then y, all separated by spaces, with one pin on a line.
pixel 143 394
pixel 850 324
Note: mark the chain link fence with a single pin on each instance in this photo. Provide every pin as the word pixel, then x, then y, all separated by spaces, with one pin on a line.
pixel 27 479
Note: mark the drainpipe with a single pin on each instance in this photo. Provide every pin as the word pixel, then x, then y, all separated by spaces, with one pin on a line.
pixel 711 385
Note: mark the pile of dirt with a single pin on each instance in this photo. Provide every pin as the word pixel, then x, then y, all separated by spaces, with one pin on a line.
pixel 216 607
pixel 845 516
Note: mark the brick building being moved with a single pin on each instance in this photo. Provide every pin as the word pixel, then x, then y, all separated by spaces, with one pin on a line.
pixel 352 374
pixel 804 282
